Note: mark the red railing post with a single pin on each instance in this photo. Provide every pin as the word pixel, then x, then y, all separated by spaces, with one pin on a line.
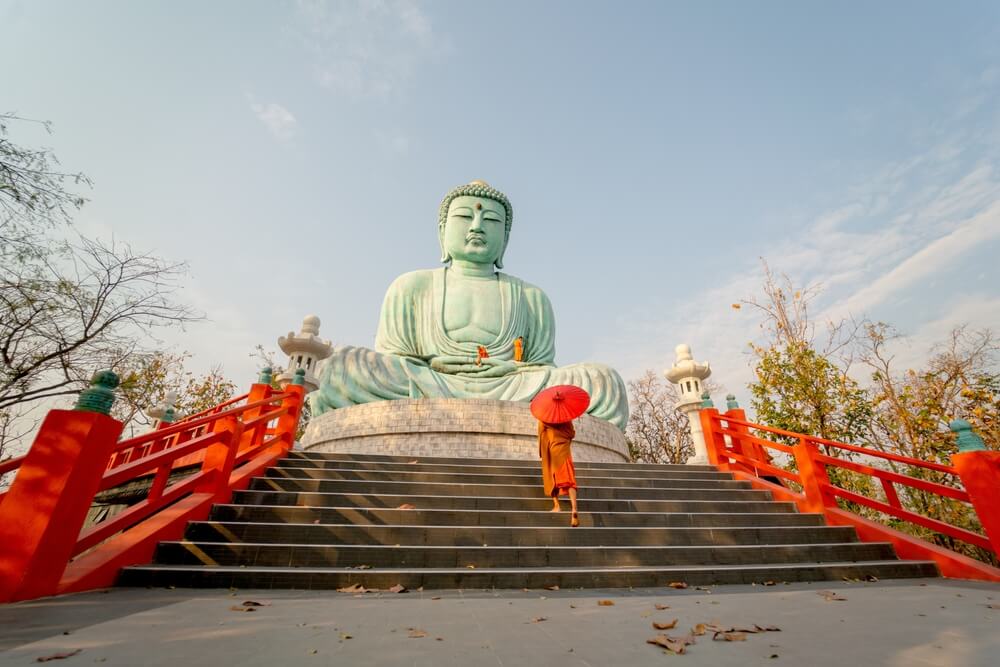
pixel 714 441
pixel 48 502
pixel 288 423
pixel 815 481
pixel 979 469
pixel 220 458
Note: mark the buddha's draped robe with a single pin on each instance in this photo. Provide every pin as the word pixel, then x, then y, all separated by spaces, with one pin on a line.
pixel 555 449
pixel 411 333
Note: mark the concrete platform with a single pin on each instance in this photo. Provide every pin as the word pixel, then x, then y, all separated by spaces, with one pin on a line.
pixel 900 624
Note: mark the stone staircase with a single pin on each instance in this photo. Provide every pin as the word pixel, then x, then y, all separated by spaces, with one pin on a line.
pixel 332 520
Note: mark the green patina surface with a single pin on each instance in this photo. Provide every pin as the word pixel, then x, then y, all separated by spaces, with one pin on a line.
pixel 434 322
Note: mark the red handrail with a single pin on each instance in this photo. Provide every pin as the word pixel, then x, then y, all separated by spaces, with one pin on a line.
pixel 734 444
pixel 77 454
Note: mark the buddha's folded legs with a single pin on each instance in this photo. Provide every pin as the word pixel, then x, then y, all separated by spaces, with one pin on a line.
pixel 355 375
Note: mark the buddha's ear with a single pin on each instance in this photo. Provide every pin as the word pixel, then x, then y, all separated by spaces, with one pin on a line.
pixel 445 257
pixel 499 261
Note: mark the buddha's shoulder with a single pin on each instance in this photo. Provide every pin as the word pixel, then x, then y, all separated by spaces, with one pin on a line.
pixel 414 281
pixel 529 290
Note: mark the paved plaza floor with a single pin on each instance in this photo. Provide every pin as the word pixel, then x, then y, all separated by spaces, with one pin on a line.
pixel 850 624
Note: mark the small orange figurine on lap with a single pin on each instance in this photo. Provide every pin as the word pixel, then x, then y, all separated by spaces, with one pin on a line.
pixel 556 408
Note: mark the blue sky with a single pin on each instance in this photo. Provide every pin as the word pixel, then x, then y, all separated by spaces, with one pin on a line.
pixel 294 154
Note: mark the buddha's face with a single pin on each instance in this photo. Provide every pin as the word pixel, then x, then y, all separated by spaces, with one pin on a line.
pixel 474 230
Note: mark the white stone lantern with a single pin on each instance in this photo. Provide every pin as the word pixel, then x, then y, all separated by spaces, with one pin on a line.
pixel 305 350
pixel 689 376
pixel 165 411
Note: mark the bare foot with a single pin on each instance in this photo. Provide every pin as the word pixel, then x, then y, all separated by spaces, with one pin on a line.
pixel 574 521
pixel 556 508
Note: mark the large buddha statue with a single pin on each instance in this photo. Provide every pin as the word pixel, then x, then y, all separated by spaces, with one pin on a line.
pixel 465 330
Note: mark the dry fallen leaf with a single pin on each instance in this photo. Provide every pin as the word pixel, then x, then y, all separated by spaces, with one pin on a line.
pixel 606 603
pixel 736 306
pixel 398 588
pixel 677 584
pixel 413 461
pixel 698 630
pixel 665 626
pixel 254 603
pixel 416 633
pixel 539 619
pixel 407 506
pixel 676 645
pixel 242 608
pixel 830 595
pixel 344 635
pixel 767 628
pixel 730 636
pixel 552 588
pixel 993 606
pixel 58 656
pixel 769 583
pixel 871 577
pixel 353 588
pixel 436 597
pixel 470 566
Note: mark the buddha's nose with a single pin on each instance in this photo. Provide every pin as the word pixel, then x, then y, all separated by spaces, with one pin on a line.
pixel 477 221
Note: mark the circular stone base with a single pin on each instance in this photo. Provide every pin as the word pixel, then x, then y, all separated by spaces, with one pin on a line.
pixel 453 427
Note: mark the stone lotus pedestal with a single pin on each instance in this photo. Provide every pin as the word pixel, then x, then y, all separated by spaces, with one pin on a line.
pixel 453 427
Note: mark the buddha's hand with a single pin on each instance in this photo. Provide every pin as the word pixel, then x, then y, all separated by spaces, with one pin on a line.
pixel 488 367
pixel 452 364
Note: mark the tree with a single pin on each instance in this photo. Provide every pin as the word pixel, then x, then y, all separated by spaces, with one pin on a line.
pixel 69 305
pixel 912 409
pixel 657 432
pixel 151 377
pixel 798 387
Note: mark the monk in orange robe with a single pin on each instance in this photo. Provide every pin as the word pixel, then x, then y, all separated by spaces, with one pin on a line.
pixel 558 475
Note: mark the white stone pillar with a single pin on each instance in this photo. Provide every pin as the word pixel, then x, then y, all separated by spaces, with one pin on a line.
pixel 689 377
pixel 305 350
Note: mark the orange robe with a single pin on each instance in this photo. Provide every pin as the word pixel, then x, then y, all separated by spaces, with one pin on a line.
pixel 554 441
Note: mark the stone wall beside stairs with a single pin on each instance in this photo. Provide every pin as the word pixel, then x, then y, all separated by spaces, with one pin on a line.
pixel 452 427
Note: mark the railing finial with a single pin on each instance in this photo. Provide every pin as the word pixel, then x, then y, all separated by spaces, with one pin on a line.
pixel 265 375
pixel 100 395
pixel 706 400
pixel 300 377
pixel 731 403
pixel 968 440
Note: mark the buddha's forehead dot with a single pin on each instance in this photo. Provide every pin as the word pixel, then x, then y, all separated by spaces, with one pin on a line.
pixel 479 206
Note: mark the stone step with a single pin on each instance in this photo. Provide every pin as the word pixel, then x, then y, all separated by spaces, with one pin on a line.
pixel 382 556
pixel 511 504
pixel 533 480
pixel 444 517
pixel 742 491
pixel 674 472
pixel 539 578
pixel 282 533
pixel 530 463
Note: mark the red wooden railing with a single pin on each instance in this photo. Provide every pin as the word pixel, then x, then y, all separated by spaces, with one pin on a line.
pixel 44 548
pixel 733 446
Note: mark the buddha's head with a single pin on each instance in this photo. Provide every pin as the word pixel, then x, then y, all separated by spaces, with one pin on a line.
pixel 474 224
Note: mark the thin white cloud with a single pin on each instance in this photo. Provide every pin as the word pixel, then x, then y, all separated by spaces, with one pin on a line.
pixel 278 120
pixel 366 48
pixel 925 262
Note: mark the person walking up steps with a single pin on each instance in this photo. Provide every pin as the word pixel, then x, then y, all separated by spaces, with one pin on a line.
pixel 556 408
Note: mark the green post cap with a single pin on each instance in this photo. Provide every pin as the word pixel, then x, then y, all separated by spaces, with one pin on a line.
pixel 265 375
pixel 300 377
pixel 100 395
pixel 706 400
pixel 968 440
pixel 731 403
pixel 168 415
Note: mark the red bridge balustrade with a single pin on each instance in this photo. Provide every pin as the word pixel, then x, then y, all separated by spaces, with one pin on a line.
pixel 733 446
pixel 191 465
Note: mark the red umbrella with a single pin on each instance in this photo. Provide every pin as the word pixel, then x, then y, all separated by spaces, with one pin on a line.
pixel 559 404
